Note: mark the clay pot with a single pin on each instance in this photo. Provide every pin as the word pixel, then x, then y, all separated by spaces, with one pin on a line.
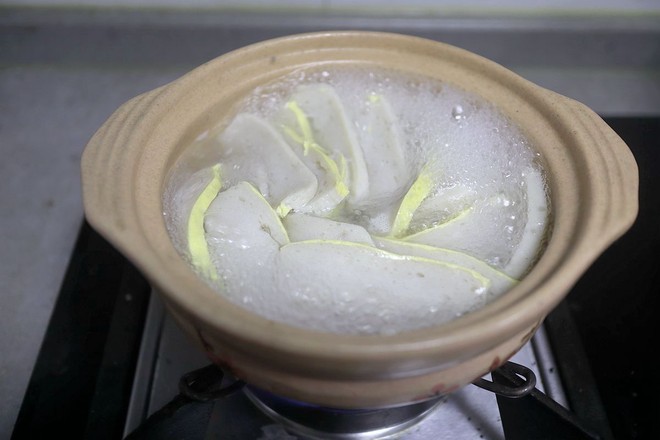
pixel 591 174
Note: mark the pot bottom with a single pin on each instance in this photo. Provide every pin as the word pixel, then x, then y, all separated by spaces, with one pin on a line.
pixel 317 422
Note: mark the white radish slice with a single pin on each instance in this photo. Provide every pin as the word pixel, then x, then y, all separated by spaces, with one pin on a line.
pixel 252 149
pixel 333 132
pixel 442 205
pixel 348 287
pixel 537 217
pixel 329 168
pixel 500 281
pixel 382 146
pixel 302 227
pixel 489 230
pixel 244 235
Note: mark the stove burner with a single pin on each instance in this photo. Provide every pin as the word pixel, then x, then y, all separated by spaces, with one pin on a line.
pixel 321 423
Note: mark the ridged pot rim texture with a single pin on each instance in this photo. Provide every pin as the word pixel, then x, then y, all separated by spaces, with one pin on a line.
pixel 592 178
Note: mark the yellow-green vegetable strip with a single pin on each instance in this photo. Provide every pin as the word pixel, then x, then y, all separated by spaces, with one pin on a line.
pixel 197 245
pixel 419 190
pixel 306 139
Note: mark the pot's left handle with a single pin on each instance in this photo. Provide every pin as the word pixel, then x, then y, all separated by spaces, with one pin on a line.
pixel 108 172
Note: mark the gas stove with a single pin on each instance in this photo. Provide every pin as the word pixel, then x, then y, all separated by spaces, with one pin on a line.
pixel 112 362
pixel 251 413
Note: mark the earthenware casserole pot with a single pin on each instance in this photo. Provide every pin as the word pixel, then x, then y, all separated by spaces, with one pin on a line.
pixel 591 174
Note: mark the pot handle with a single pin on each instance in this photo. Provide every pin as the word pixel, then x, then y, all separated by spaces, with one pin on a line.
pixel 610 170
pixel 108 174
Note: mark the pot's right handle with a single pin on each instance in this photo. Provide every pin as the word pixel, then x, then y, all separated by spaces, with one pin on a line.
pixel 611 171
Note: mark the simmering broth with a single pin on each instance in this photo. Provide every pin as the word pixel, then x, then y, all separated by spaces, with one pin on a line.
pixel 360 201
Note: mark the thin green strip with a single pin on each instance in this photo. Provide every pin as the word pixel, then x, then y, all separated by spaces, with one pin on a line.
pixel 419 191
pixel 197 245
pixel 306 139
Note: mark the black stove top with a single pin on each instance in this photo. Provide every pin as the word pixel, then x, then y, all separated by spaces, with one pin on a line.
pixel 602 337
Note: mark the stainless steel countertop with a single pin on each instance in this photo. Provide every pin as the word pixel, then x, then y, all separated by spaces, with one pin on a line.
pixel 64 71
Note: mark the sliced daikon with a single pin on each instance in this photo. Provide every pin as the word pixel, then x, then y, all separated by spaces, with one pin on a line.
pixel 500 281
pixel 244 235
pixel 489 230
pixel 251 149
pixel 368 290
pixel 444 204
pixel 330 168
pixel 302 227
pixel 382 145
pixel 533 233
pixel 332 130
